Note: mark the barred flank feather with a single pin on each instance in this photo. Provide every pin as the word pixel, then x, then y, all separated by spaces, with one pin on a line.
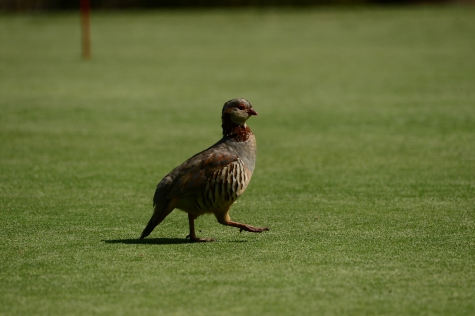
pixel 224 187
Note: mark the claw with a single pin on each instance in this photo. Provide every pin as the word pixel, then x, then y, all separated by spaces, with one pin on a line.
pixel 253 229
pixel 203 240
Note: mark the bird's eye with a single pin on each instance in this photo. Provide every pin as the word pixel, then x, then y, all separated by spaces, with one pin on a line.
pixel 241 107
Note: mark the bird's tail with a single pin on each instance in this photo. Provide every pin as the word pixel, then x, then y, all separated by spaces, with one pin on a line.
pixel 161 210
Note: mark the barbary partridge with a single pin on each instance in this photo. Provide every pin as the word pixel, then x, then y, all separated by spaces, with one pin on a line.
pixel 212 180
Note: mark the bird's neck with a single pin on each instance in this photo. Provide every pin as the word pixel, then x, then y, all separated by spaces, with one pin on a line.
pixel 238 132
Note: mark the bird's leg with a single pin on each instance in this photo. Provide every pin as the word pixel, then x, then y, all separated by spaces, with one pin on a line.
pixel 223 218
pixel 192 235
pixel 246 227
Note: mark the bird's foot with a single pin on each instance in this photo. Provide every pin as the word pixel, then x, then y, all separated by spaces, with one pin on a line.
pixel 253 229
pixel 196 239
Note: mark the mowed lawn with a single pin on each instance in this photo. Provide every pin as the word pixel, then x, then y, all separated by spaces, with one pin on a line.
pixel 365 170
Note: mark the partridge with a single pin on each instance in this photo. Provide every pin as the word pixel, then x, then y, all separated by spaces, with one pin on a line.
pixel 212 180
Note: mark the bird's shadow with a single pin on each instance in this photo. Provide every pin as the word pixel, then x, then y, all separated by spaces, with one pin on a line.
pixel 158 241
pixel 152 241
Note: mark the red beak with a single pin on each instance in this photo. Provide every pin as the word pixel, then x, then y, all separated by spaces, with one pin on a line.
pixel 251 112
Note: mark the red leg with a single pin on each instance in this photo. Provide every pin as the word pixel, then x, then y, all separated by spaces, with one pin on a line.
pixel 223 218
pixel 246 227
pixel 192 235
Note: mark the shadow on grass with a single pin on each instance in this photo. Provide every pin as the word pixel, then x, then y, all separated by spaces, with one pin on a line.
pixel 153 241
pixel 159 241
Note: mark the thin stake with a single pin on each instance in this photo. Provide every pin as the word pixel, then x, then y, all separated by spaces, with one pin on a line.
pixel 86 29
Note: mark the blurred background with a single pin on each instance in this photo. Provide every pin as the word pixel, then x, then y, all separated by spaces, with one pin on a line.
pixel 33 5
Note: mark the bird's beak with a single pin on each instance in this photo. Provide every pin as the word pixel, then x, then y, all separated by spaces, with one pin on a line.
pixel 251 111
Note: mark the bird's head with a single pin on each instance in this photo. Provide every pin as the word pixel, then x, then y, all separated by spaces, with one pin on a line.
pixel 237 111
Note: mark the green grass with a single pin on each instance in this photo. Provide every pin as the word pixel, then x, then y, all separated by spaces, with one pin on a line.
pixel 365 170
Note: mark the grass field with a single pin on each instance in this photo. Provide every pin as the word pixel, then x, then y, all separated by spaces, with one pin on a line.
pixel 365 171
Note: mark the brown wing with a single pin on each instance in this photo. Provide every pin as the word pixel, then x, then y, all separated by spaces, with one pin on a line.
pixel 190 177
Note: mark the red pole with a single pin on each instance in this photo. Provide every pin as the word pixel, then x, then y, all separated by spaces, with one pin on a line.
pixel 86 29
